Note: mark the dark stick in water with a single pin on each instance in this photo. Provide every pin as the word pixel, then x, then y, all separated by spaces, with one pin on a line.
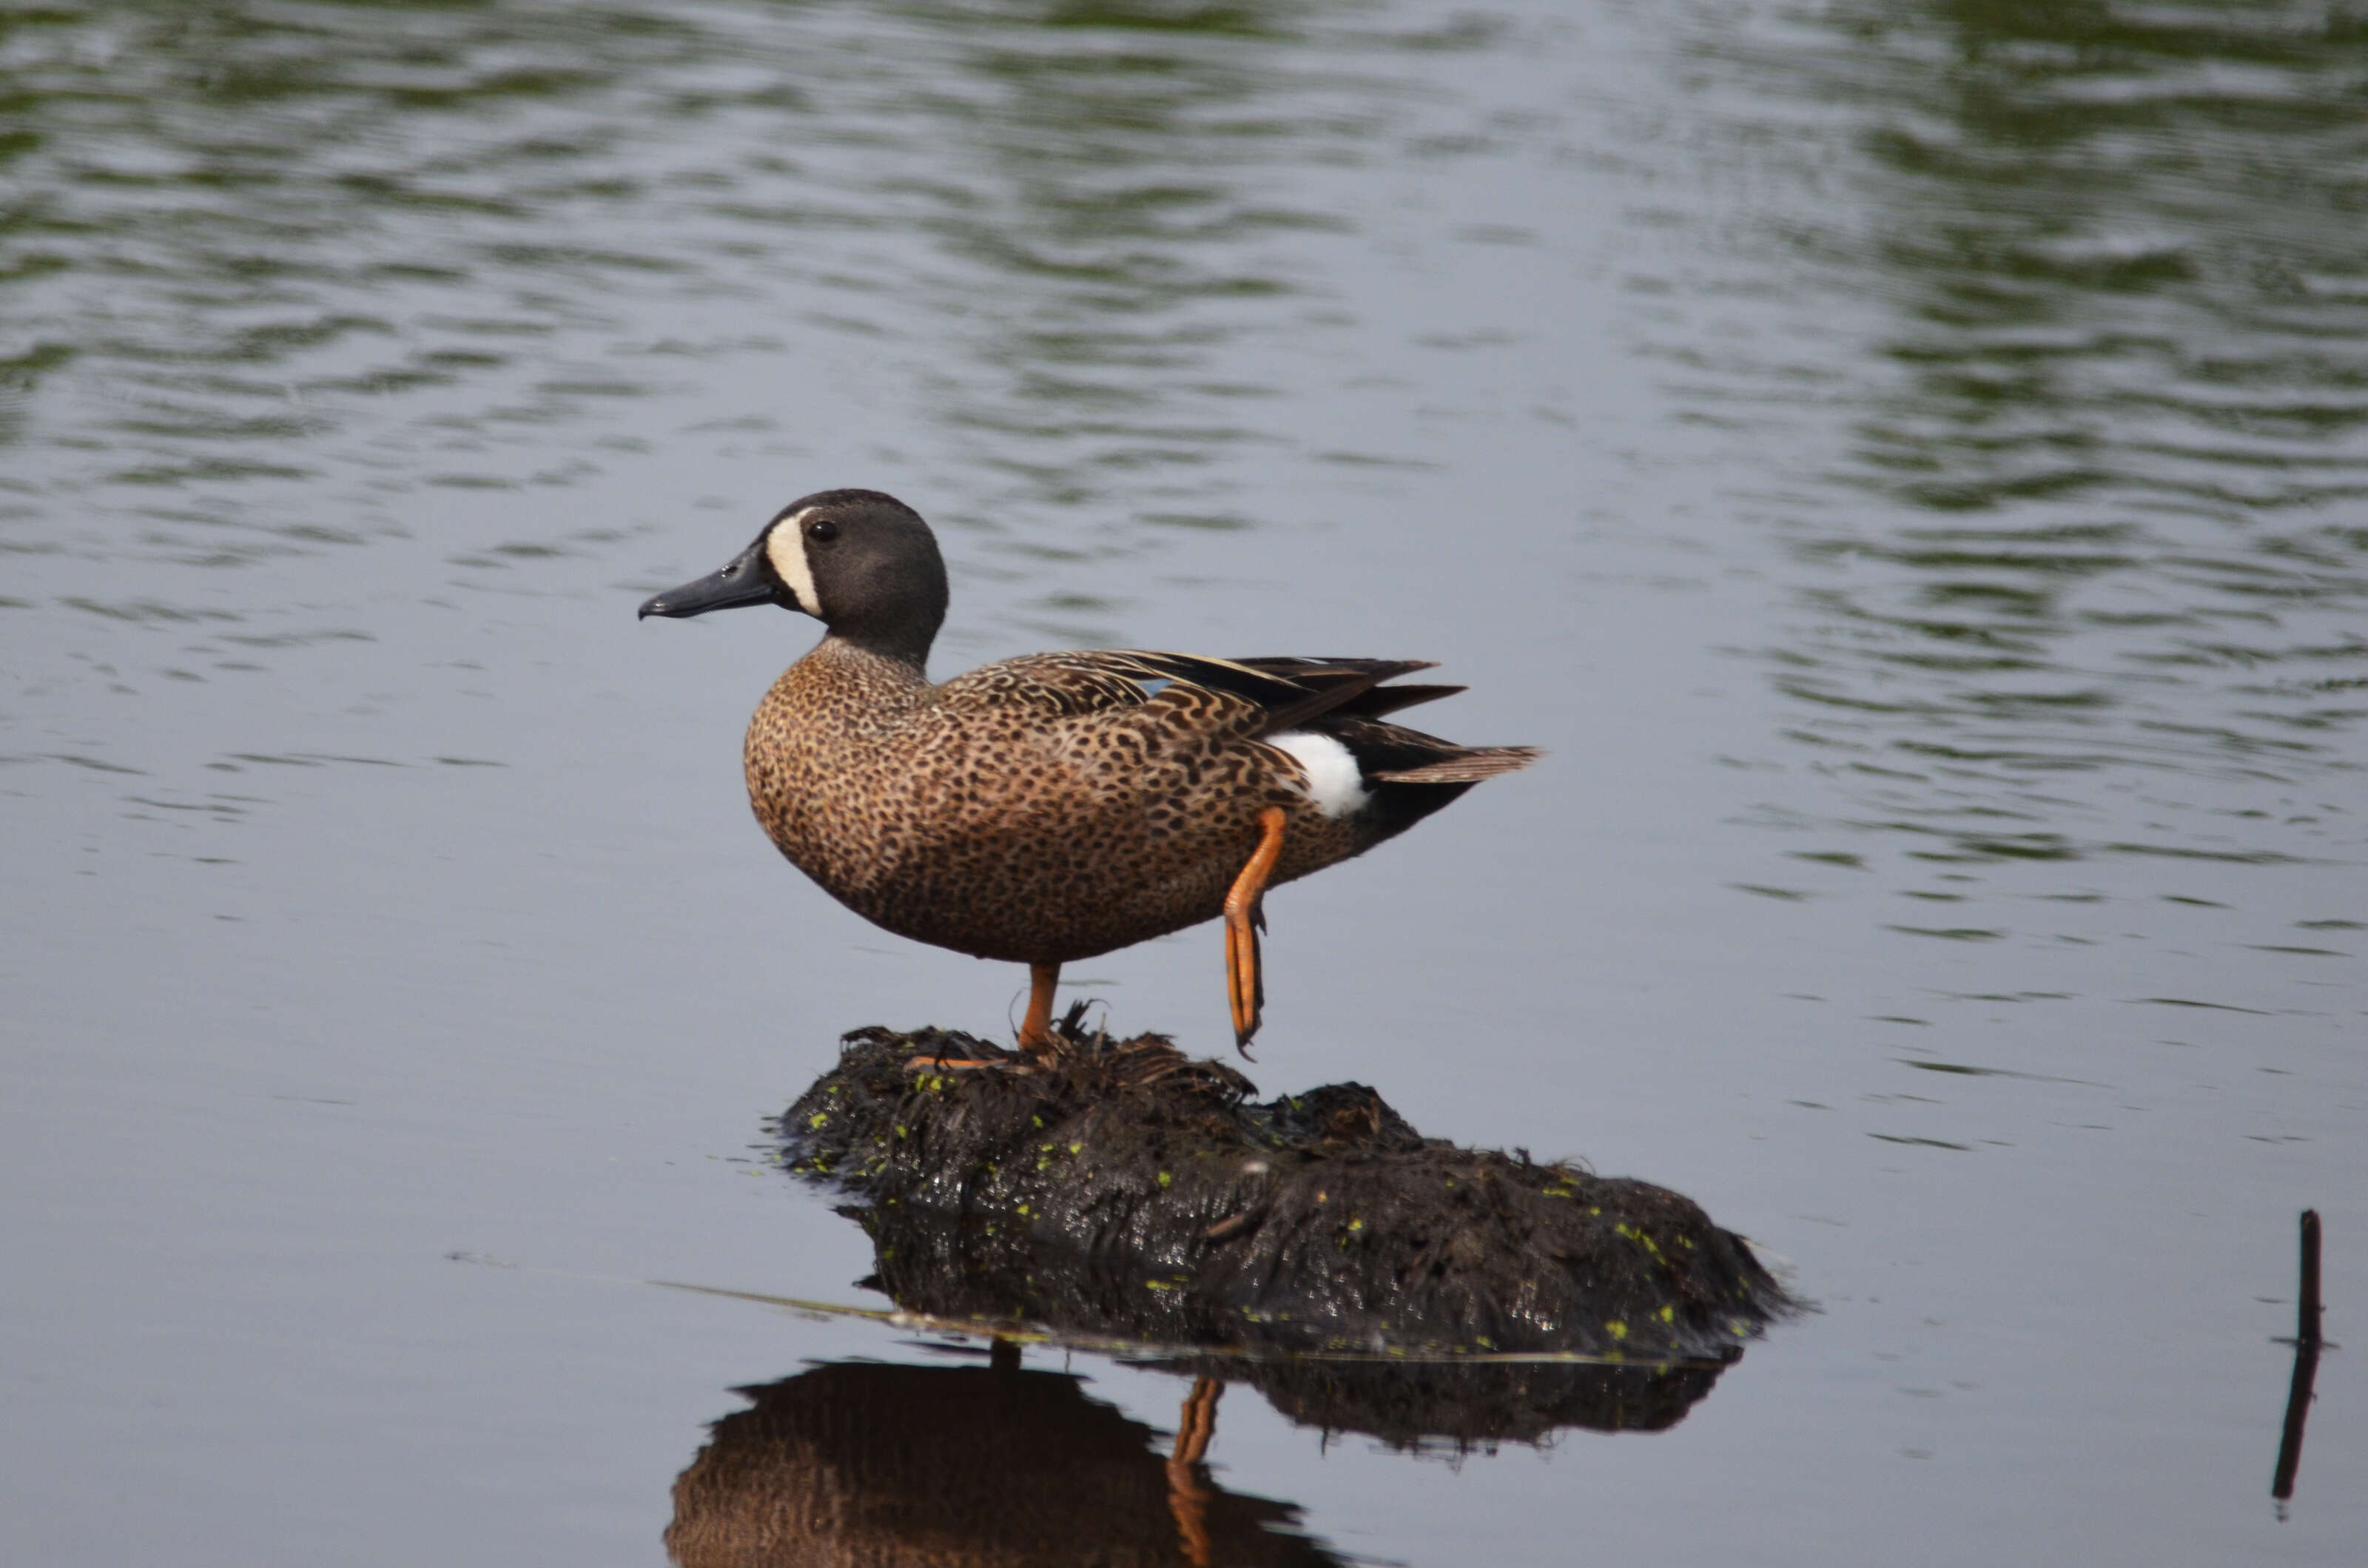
pixel 2305 1369
pixel 2306 1322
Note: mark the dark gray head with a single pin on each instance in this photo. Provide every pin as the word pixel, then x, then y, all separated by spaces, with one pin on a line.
pixel 861 562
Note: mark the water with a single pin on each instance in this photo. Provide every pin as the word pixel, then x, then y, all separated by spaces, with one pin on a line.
pixel 1906 462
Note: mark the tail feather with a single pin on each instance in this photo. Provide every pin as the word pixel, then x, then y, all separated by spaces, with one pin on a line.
pixel 1468 766
pixel 1384 699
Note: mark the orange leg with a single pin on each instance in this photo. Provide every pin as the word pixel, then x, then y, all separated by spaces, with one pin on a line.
pixel 1188 1499
pixel 1245 987
pixel 1036 1032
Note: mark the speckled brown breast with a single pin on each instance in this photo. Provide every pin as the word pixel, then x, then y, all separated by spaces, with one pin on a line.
pixel 1029 810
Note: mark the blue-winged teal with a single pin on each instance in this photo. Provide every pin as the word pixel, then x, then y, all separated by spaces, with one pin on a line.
pixel 1052 807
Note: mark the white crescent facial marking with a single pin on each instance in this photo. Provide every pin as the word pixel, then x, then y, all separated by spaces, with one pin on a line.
pixel 785 547
pixel 1334 785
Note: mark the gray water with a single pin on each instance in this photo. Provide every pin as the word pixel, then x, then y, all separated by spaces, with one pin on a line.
pixel 1907 463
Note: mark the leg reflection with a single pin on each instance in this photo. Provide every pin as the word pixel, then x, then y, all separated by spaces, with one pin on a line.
pixel 1187 1490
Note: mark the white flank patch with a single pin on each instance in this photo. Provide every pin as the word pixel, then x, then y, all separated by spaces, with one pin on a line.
pixel 785 547
pixel 1332 782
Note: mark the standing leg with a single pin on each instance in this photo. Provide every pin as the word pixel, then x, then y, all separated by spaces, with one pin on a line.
pixel 1036 1035
pixel 1244 985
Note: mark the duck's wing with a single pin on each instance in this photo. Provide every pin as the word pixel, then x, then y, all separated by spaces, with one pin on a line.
pixel 1287 692
pixel 1347 698
pixel 1249 699
pixel 1252 698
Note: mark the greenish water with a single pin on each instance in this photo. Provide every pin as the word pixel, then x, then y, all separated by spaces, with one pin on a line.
pixel 1908 463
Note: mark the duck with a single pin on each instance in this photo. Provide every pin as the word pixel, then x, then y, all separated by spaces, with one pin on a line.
pixel 1052 807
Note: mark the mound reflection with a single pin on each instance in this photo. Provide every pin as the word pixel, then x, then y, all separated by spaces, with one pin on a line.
pixel 933 1266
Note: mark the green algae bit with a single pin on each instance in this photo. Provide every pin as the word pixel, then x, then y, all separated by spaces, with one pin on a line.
pixel 1124 1189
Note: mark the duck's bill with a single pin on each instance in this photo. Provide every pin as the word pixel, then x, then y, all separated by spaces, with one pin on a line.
pixel 742 581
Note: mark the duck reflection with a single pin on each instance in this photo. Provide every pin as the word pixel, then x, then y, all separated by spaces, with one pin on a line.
pixel 862 1462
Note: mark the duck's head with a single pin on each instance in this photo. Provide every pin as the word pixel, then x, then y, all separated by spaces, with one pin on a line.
pixel 862 564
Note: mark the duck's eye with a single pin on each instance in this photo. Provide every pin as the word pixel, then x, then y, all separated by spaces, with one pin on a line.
pixel 822 530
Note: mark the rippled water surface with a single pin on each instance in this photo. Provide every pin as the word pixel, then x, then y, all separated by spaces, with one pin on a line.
pixel 1908 463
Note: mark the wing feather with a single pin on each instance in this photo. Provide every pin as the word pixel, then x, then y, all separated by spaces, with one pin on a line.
pixel 1290 691
pixel 1343 698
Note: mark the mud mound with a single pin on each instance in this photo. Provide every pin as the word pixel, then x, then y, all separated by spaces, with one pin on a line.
pixel 1125 1188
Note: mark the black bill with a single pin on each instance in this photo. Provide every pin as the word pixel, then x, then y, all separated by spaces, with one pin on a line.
pixel 746 581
